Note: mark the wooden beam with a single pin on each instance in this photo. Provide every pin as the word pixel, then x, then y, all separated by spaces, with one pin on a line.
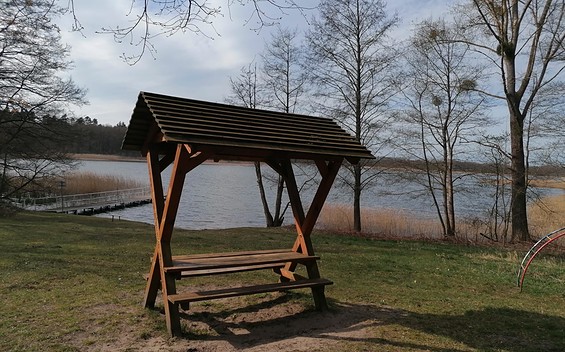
pixel 276 166
pixel 322 167
pixel 154 136
pixel 153 281
pixel 305 224
pixel 164 234
pixel 296 206
pixel 321 195
pixel 156 184
pixel 165 216
pixel 167 159
pixel 173 196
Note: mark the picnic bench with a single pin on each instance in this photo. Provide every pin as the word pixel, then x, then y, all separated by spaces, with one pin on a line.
pixel 182 134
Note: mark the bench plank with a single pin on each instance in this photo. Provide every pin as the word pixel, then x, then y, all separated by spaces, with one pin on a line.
pixel 213 262
pixel 238 269
pixel 228 254
pixel 248 290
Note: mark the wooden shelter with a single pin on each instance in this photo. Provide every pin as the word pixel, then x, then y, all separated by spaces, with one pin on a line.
pixel 184 133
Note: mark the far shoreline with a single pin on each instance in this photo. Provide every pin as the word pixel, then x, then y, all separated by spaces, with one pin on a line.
pixel 556 182
pixel 113 157
pixel 106 157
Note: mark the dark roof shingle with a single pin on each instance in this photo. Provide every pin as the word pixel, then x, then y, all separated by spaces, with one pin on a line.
pixel 190 121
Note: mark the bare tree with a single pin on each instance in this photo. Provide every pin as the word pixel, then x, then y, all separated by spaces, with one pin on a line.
pixel 244 88
pixel 495 151
pixel 283 77
pixel 525 42
pixel 245 93
pixel 444 109
pixel 284 84
pixel 153 18
pixel 32 94
pixel 350 67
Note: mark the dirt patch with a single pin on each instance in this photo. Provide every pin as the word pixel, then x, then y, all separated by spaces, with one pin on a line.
pixel 274 322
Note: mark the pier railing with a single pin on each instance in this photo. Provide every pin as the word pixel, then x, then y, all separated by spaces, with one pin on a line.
pixel 86 200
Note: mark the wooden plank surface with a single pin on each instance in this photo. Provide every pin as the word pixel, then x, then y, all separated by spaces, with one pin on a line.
pixel 237 269
pixel 228 254
pixel 213 262
pixel 240 291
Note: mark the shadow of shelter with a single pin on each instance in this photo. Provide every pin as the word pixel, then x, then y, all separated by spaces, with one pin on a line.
pixel 486 329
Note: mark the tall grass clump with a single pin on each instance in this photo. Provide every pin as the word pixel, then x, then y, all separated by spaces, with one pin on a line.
pixel 89 182
pixel 384 222
pixel 396 223
pixel 547 215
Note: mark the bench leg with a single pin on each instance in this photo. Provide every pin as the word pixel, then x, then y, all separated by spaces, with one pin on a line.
pixel 319 298
pixel 173 319
pixel 153 282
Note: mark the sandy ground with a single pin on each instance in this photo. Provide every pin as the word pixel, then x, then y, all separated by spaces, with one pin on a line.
pixel 277 322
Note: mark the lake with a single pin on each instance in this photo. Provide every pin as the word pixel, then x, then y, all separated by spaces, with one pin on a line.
pixel 223 195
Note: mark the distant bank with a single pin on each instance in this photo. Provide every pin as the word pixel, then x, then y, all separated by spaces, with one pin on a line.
pixel 106 157
pixel 544 177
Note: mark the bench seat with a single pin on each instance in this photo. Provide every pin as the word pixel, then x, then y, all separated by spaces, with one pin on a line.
pixel 195 296
pixel 222 263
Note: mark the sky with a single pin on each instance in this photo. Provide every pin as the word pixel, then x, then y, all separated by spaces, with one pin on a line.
pixel 187 64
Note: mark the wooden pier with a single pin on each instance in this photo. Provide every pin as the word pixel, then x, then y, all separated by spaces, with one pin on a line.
pixel 88 203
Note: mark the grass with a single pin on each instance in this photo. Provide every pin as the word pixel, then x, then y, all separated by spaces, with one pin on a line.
pixel 74 283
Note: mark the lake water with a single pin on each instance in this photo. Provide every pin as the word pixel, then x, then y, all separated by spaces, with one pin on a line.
pixel 223 195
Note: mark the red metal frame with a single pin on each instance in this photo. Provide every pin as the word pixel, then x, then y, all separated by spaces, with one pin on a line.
pixel 541 244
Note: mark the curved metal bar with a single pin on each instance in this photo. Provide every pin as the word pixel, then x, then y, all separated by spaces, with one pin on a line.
pixel 536 248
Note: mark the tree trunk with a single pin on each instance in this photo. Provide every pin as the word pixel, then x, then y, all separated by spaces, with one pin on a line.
pixel 268 216
pixel 450 206
pixel 357 199
pixel 518 172
pixel 450 194
pixel 3 183
pixel 278 217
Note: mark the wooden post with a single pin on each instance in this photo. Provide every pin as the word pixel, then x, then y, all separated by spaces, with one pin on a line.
pixel 158 202
pixel 305 224
pixel 165 215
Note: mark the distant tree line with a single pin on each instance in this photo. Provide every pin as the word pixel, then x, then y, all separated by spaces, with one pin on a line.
pixel 87 136
pixel 60 135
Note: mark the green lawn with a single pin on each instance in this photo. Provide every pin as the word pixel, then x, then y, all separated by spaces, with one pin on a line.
pixel 72 283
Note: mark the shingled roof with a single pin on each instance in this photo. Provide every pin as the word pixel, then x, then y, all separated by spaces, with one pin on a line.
pixel 206 124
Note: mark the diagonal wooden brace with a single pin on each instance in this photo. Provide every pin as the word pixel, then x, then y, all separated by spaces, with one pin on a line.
pixel 305 223
pixel 165 214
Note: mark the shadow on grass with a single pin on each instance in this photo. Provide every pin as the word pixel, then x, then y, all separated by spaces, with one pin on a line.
pixel 486 329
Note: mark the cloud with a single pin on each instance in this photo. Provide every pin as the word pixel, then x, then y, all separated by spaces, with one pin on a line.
pixel 186 64
pixel 411 12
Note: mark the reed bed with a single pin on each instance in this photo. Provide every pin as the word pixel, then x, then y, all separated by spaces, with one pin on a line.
pixel 545 216
pixel 382 222
pixel 549 183
pixel 89 182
